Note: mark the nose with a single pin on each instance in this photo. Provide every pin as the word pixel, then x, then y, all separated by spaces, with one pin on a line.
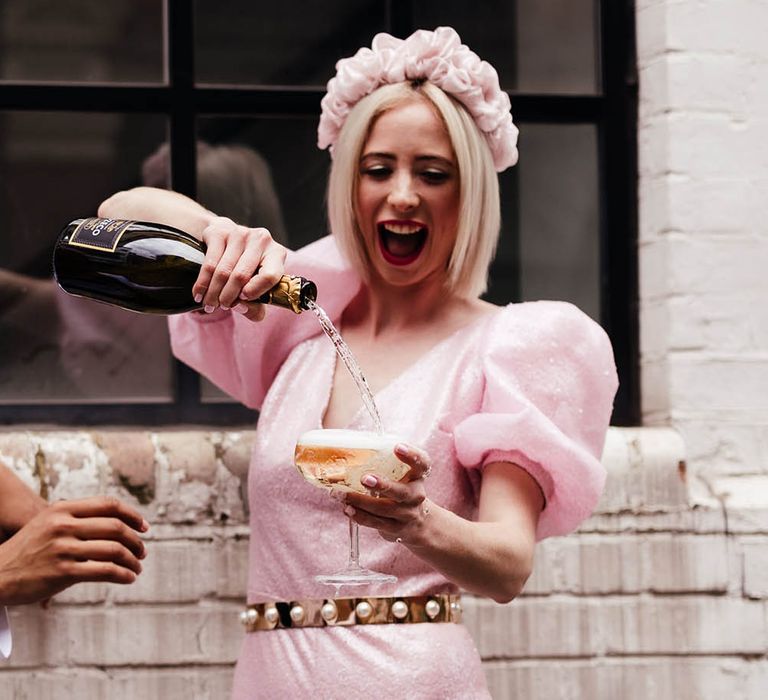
pixel 403 195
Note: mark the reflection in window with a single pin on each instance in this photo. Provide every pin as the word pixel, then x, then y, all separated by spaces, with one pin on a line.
pixel 260 43
pixel 89 41
pixel 54 347
pixel 535 45
pixel 276 175
pixel 559 218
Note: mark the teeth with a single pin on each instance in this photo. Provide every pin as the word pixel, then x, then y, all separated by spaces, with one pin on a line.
pixel 402 229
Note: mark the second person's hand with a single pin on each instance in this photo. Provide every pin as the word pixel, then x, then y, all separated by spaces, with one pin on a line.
pixel 92 539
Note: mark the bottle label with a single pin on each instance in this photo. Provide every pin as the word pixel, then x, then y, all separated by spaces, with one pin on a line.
pixel 101 234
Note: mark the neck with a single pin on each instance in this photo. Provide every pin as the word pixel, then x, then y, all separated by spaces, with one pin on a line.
pixel 382 308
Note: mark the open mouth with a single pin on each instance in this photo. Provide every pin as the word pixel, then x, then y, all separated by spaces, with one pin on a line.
pixel 401 242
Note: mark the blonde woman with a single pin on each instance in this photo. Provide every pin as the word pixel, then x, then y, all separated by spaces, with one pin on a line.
pixel 504 408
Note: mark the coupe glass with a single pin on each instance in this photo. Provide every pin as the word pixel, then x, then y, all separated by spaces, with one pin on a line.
pixel 337 460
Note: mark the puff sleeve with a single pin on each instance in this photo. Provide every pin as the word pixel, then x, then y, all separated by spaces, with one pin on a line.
pixel 242 357
pixel 550 381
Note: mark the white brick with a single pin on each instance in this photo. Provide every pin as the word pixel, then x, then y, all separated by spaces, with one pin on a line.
pixel 654 149
pixel 231 568
pixel 677 521
pixel 730 387
pixel 655 394
pixel 742 492
pixel 30 628
pixel 718 26
pixel 755 554
pixel 653 214
pixel 721 321
pixel 627 679
pixel 559 626
pixel 654 330
pixel 594 565
pixel 751 521
pixel 84 593
pixel 712 264
pixel 79 684
pixel 714 146
pixel 655 260
pixel 644 469
pixel 721 448
pixel 172 572
pixel 93 684
pixel 126 635
pixel 711 82
pixel 76 467
pixel 651 22
pixel 714 205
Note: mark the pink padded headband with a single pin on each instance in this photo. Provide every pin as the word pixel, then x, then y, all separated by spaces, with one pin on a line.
pixel 438 57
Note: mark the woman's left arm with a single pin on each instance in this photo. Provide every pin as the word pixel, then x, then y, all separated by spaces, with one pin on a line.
pixel 492 556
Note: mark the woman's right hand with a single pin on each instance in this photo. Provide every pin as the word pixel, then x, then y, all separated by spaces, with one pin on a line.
pixel 240 265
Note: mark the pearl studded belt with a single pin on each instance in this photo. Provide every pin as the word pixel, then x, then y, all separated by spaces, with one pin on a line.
pixel 343 612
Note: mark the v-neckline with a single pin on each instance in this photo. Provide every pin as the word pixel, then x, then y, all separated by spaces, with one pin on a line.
pixel 333 360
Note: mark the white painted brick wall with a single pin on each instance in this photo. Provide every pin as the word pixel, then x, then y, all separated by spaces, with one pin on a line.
pixel 650 598
pixel 703 162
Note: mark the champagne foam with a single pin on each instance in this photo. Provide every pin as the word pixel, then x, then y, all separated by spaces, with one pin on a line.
pixel 352 439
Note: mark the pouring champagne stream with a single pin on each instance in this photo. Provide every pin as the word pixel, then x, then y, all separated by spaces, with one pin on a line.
pixel 338 459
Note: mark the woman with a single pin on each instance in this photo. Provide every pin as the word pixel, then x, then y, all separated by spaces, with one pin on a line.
pixel 508 406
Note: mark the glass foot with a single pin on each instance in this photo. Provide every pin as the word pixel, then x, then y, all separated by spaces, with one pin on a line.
pixel 355 577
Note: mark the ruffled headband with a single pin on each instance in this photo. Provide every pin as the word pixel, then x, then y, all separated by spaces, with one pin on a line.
pixel 437 56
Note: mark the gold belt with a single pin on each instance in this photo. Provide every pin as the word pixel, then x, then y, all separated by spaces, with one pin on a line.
pixel 342 612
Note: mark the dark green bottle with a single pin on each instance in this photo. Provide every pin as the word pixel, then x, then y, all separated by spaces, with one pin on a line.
pixel 146 267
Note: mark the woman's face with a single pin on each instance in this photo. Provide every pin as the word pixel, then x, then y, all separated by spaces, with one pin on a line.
pixel 408 195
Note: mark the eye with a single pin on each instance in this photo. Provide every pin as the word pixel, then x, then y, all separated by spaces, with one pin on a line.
pixel 435 177
pixel 377 172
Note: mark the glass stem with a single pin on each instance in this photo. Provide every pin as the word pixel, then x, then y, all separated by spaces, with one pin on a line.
pixel 354 545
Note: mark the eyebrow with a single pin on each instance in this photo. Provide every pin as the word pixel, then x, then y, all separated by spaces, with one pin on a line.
pixel 424 158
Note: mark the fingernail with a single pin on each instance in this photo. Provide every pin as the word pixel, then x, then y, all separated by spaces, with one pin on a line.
pixel 241 308
pixel 209 309
pixel 349 510
pixel 226 308
pixel 369 480
pixel 198 298
pixel 144 526
pixel 243 297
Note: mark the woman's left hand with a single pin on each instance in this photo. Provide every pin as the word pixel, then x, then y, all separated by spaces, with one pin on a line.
pixel 397 509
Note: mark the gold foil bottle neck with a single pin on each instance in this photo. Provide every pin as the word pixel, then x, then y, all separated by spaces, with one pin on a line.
pixel 290 293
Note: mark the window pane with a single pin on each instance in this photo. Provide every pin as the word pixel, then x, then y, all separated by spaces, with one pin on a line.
pixel 535 45
pixel 559 215
pixel 259 43
pixel 54 347
pixel 91 41
pixel 264 171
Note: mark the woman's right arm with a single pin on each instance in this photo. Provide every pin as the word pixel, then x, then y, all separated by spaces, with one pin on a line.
pixel 241 263
pixel 160 206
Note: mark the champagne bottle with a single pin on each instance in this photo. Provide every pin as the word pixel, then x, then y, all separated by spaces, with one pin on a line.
pixel 146 267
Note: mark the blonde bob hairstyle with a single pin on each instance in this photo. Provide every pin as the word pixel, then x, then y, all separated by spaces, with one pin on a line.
pixel 479 211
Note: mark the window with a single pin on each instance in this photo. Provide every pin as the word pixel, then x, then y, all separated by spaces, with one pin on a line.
pixel 220 101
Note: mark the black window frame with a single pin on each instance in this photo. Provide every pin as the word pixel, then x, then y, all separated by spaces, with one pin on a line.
pixel 613 110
